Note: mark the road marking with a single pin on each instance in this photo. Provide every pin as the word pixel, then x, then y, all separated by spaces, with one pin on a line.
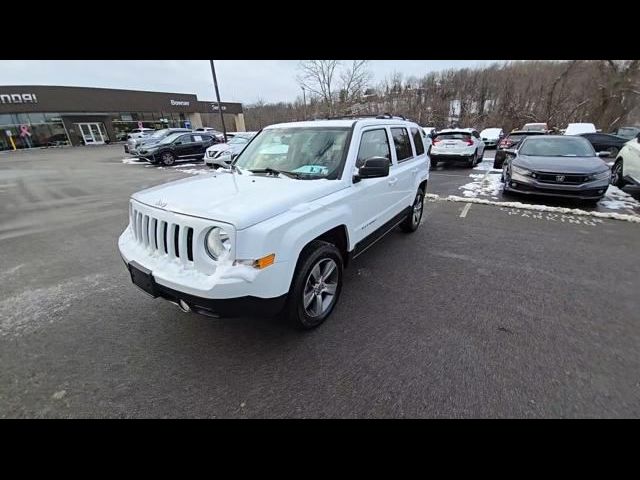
pixel 465 210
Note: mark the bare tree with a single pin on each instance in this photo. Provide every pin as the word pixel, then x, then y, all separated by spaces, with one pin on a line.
pixel 355 79
pixel 317 77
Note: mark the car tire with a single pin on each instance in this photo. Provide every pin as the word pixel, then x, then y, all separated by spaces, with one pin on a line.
pixel 167 158
pixel 617 174
pixel 473 160
pixel 412 222
pixel 320 265
pixel 497 164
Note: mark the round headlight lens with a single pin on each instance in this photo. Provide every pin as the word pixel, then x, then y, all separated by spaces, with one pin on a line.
pixel 217 243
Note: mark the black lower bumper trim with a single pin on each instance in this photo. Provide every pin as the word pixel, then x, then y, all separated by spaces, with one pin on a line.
pixel 591 194
pixel 227 307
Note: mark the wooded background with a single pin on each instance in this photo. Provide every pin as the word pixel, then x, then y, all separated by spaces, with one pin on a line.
pixel 506 95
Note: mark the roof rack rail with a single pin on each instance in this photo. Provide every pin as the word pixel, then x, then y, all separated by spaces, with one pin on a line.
pixel 362 115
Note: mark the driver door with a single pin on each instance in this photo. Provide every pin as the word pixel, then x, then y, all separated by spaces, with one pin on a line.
pixel 374 199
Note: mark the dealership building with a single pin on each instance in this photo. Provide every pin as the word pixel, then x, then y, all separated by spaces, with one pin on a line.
pixel 38 116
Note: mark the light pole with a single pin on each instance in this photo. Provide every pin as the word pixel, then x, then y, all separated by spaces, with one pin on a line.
pixel 304 103
pixel 215 84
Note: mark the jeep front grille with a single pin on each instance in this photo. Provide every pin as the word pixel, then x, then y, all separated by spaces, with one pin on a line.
pixel 169 238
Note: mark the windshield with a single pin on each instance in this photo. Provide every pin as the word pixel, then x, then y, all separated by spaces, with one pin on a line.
pixel 170 138
pixel 453 136
pixel 310 152
pixel 238 140
pixel 627 132
pixel 159 133
pixel 557 147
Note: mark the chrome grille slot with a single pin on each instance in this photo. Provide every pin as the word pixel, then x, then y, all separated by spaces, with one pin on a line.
pixel 190 244
pixel 165 234
pixel 165 227
pixel 176 231
pixel 145 230
pixel 153 233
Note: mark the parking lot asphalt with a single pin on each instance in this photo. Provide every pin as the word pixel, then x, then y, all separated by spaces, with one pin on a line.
pixel 486 311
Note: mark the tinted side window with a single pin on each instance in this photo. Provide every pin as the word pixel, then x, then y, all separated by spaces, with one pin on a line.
pixel 417 141
pixel 374 143
pixel 183 139
pixel 402 143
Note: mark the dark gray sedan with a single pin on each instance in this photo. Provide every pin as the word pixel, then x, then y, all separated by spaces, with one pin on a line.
pixel 558 166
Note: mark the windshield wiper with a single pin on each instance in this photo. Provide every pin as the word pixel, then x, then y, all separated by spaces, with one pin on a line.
pixel 275 172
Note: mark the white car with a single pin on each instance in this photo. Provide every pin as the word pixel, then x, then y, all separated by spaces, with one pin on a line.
pixel 140 132
pixel 225 151
pixel 491 136
pixel 457 145
pixel 273 232
pixel 626 168
pixel 578 128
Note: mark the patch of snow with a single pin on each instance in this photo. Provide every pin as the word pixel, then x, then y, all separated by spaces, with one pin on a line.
pixel 26 312
pixel 134 161
pixel 486 164
pixel 616 199
pixel 540 208
pixel 185 165
pixel 484 185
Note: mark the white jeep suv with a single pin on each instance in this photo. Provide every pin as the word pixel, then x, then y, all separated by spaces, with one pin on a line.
pixel 273 231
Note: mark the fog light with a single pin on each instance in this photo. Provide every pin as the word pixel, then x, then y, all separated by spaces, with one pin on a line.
pixel 513 184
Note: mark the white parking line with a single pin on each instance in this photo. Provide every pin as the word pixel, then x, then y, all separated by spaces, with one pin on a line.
pixel 465 210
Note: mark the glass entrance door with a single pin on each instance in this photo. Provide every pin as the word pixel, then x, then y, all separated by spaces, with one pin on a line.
pixel 92 133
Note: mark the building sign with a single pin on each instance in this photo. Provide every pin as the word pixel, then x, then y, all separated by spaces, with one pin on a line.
pixel 180 102
pixel 18 98
pixel 214 107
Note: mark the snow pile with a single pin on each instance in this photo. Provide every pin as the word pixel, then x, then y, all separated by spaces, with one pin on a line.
pixel 539 208
pixel 484 184
pixel 486 164
pixel 616 199
pixel 134 161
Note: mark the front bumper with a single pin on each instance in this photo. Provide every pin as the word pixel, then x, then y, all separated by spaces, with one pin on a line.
pixel 445 156
pixel 587 191
pixel 219 291
pixel 213 307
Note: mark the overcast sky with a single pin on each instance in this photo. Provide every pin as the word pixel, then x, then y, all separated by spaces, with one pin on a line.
pixel 243 81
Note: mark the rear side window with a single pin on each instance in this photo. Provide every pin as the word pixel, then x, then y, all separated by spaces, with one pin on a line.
pixel 417 141
pixel 374 143
pixel 402 143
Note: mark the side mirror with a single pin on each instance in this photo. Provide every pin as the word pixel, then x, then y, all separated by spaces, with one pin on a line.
pixel 234 156
pixel 178 143
pixel 374 167
pixel 603 154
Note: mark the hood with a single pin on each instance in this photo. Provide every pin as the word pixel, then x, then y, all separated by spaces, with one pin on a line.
pixel 241 200
pixel 561 164
pixel 218 147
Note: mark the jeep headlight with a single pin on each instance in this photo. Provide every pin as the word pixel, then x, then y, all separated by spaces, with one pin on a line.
pixel 521 171
pixel 601 176
pixel 217 243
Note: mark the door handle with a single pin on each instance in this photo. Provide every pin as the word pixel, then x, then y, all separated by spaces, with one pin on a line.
pixel 393 181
